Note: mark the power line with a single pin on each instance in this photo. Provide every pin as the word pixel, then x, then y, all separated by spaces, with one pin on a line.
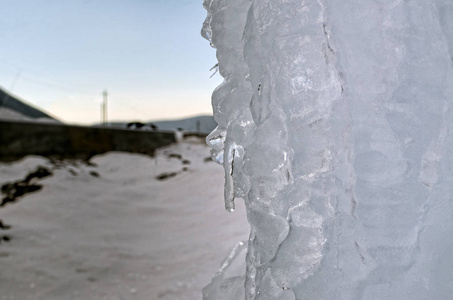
pixel 13 83
pixel 58 86
pixel 41 79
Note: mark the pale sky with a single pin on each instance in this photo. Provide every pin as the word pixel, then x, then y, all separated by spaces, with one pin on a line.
pixel 59 55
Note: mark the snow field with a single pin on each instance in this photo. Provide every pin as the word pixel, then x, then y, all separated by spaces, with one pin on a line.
pixel 111 230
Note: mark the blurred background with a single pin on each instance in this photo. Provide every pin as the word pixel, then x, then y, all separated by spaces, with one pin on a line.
pixel 60 56
pixel 107 186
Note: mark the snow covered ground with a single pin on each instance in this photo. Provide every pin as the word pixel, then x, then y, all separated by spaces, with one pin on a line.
pixel 10 115
pixel 112 230
pixel 7 114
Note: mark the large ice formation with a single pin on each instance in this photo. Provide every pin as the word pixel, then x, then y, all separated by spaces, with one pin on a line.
pixel 335 127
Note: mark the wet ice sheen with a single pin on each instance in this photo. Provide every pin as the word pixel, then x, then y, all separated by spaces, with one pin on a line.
pixel 334 126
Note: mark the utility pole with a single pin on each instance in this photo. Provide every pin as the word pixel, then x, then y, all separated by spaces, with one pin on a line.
pixel 104 108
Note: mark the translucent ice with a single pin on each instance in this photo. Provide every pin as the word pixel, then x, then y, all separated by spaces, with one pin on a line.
pixel 228 281
pixel 335 127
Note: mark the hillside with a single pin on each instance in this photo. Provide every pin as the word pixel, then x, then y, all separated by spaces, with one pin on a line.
pixel 13 108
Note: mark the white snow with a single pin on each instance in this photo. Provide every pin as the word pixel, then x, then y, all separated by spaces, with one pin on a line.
pixel 7 114
pixel 122 235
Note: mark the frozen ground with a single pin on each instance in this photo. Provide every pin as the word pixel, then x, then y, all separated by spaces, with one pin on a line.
pixel 111 230
pixel 7 114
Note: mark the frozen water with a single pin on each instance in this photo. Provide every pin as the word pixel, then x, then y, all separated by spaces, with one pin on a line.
pixel 228 283
pixel 334 126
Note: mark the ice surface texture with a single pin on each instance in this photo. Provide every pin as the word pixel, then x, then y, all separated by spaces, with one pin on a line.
pixel 334 126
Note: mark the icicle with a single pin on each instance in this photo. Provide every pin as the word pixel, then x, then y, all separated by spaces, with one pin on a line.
pixel 229 169
pixel 216 141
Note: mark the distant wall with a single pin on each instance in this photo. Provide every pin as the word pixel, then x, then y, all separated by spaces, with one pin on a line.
pixel 201 135
pixel 18 139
